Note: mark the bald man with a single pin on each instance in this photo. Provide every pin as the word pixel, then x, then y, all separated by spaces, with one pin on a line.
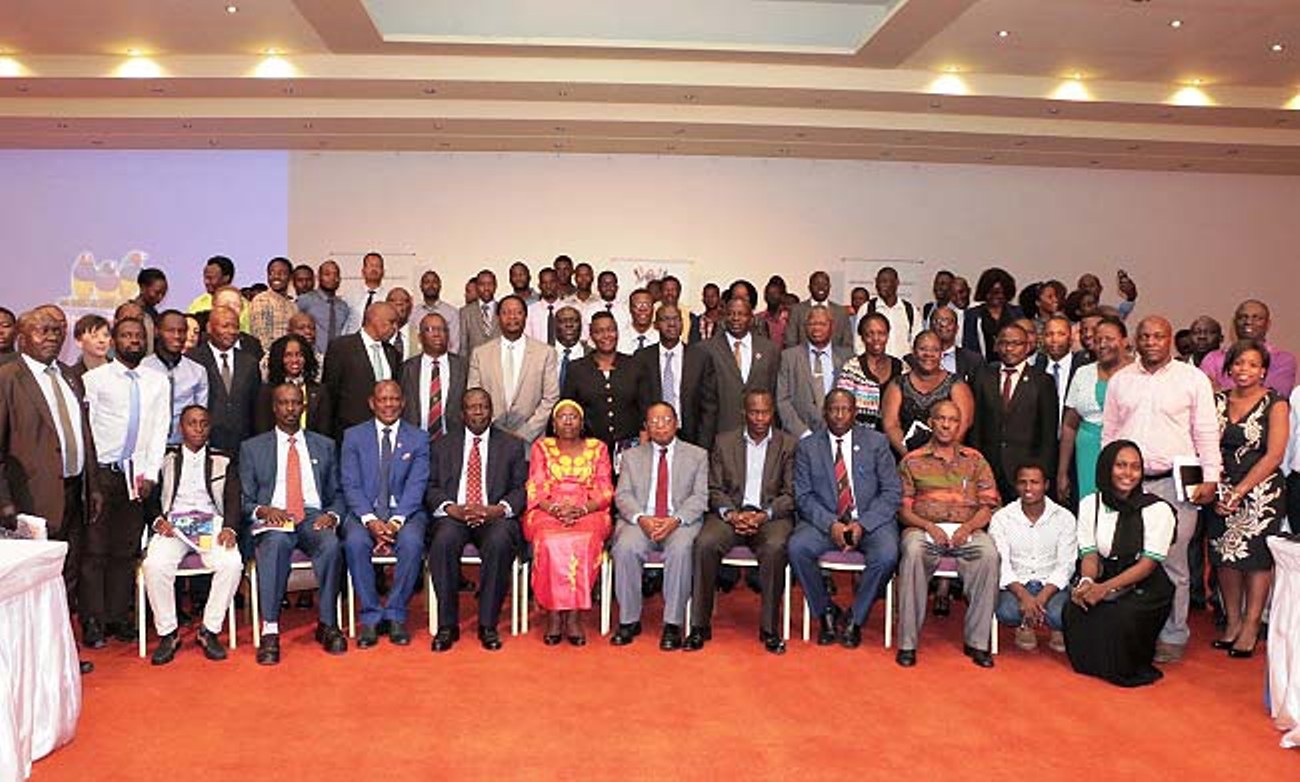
pixel 354 363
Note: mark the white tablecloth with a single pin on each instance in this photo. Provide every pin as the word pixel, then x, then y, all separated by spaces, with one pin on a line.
pixel 1284 640
pixel 40 676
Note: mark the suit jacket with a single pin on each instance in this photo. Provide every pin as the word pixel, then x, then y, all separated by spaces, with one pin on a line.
pixel 408 475
pixel 877 491
pixel 219 476
pixel 689 475
pixel 1077 359
pixel 727 474
pixel 507 470
pixel 453 389
pixel 537 388
pixel 317 409
pixel 472 333
pixel 31 462
pixel 234 413
pixel 799 396
pixel 841 325
pixel 968 363
pixel 726 391
pixel 695 373
pixel 257 468
pixel 349 381
pixel 614 407
pixel 1023 431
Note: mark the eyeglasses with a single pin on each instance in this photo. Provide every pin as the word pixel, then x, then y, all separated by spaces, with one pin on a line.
pixel 661 420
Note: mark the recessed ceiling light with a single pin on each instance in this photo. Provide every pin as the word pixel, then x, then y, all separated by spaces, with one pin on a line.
pixel 1176 23
pixel 1004 33
pixel 272 52
pixel 1277 47
pixel 132 52
pixel 232 9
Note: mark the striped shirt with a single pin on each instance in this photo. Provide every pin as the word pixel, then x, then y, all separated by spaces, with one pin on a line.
pixel 942 491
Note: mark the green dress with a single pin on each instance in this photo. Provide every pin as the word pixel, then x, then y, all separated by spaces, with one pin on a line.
pixel 1087 395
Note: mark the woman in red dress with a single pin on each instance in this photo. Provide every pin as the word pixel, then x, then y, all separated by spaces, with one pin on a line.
pixel 570 488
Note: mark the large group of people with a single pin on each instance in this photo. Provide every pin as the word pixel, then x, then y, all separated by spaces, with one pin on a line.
pixel 1075 483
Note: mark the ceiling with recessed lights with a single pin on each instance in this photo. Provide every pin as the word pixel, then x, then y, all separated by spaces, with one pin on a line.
pixel 1190 85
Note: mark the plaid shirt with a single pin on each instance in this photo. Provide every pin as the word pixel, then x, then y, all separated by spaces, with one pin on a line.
pixel 943 491
pixel 268 317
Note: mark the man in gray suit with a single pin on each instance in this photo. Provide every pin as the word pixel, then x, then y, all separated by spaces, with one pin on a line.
pixel 819 291
pixel 663 491
pixel 751 503
pixel 518 373
pixel 807 375
pixel 433 382
pixel 741 361
pixel 478 318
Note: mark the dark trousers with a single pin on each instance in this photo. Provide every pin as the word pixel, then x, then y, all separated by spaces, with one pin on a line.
pixel 110 552
pixel 408 547
pixel 716 538
pixel 879 547
pixel 497 543
pixel 71 531
pixel 274 552
pixel 1293 501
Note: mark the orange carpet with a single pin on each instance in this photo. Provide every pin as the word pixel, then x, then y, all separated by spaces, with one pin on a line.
pixel 536 712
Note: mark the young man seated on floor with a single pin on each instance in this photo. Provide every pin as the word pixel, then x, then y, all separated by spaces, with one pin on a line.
pixel 1035 539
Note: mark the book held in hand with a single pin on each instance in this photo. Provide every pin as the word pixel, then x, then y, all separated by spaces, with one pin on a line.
pixel 1188 474
pixel 262 525
pixel 196 530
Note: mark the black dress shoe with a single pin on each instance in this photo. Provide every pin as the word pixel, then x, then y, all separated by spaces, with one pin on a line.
pixel 122 631
pixel 978 656
pixel 578 639
pixel 696 640
pixel 446 638
pixel 830 620
pixel 852 637
pixel 87 667
pixel 268 652
pixel 906 657
pixel 398 634
pixel 166 651
pixel 625 633
pixel 772 642
pixel 331 639
pixel 671 640
pixel 368 637
pixel 489 638
pixel 92 634
pixel 1219 643
pixel 211 646
pixel 552 639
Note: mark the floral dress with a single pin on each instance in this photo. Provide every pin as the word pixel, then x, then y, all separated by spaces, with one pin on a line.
pixel 1237 541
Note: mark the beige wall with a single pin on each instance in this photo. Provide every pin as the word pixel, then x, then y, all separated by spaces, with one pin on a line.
pixel 1194 243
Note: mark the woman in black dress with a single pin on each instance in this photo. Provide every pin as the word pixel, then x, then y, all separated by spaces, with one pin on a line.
pixel 1123 596
pixel 905 408
pixel 610 386
pixel 995 291
pixel 1253 432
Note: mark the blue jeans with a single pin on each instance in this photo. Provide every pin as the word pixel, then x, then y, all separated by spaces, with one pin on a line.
pixel 1008 608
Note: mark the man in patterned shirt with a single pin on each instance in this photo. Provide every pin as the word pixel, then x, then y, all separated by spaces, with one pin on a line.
pixel 949 495
pixel 270 310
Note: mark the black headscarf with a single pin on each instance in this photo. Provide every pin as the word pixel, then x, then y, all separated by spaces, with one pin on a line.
pixel 1129 529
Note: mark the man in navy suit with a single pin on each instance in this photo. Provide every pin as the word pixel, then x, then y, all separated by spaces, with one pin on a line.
pixel 291 499
pixel 385 473
pixel 477 477
pixel 847 491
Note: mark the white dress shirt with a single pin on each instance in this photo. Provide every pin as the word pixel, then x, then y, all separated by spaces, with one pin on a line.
pixel 1292 461
pixel 848 466
pixel 357 306
pixel 948 359
pixel 755 456
pixel 746 352
pixel 1043 550
pixel 108 393
pixel 310 494
pixel 630 340
pixel 677 353
pixel 444 379
pixel 192 490
pixel 538 311
pixel 376 356
pixel 461 490
pixel 654 478
pixel 217 353
pixel 900 331
pixel 48 390
pixel 512 362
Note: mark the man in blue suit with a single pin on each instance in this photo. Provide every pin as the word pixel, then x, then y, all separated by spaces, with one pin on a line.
pixel 291 499
pixel 847 491
pixel 385 473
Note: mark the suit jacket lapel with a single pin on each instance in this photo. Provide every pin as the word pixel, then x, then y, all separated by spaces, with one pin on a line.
pixel 36 396
pixel 771 467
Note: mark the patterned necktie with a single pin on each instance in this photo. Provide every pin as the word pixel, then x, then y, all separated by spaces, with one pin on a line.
pixel 132 417
pixel 670 380
pixel 487 319
pixel 661 484
pixel 564 365
pixel 70 454
pixel 226 378
pixel 550 324
pixel 474 475
pixel 293 502
pixel 435 401
pixel 383 506
pixel 845 494
pixel 819 372
pixel 377 361
pixel 1008 387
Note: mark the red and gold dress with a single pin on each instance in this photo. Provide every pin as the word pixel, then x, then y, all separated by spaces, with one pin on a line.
pixel 567 557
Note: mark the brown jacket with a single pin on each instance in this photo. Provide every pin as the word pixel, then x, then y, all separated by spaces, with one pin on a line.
pixel 727 474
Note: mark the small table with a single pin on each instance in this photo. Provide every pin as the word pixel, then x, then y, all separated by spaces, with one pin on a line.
pixel 1284 640
pixel 40 675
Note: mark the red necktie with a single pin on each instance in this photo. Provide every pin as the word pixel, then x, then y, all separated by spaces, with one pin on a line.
pixel 293 501
pixel 435 402
pixel 474 476
pixel 1007 387
pixel 661 486
pixel 845 494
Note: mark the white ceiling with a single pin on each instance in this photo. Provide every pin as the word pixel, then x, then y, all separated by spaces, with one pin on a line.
pixel 716 77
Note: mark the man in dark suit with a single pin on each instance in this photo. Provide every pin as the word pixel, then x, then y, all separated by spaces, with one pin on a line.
pixel 740 361
pixel 808 372
pixel 819 291
pixel 354 363
pixel 1015 412
pixel 751 503
pixel 1057 362
pixel 385 473
pixel 847 490
pixel 48 464
pixel 233 380
pixel 677 373
pixel 289 485
pixel 434 381
pixel 962 362
pixel 477 477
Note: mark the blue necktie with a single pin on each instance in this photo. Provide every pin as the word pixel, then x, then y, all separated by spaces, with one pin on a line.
pixel 385 464
pixel 132 417
pixel 564 366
